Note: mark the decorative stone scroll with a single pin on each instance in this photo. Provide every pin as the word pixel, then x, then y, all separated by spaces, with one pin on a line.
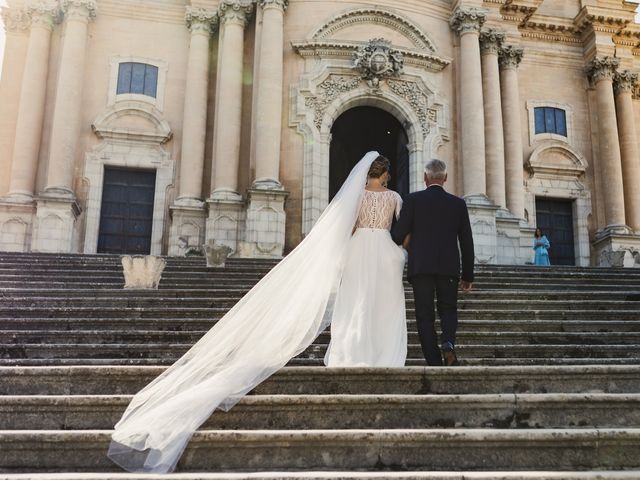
pixel 510 56
pixel 467 20
pixel 418 100
pixel 328 91
pixel 201 19
pixel 602 68
pixel 625 81
pixel 142 271
pixel 236 11
pixel 377 60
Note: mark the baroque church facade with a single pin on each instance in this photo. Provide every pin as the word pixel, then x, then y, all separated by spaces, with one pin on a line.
pixel 157 126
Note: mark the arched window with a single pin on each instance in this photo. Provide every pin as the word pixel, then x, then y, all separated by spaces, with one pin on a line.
pixel 550 120
pixel 137 78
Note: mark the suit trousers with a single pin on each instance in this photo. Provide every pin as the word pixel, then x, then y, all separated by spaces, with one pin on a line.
pixel 426 289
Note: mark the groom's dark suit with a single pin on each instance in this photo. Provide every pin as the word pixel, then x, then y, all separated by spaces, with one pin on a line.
pixel 437 222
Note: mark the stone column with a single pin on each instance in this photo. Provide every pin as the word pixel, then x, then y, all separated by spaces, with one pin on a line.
pixel 602 71
pixel 225 203
pixel 266 218
pixel 28 135
pixel 510 58
pixel 624 84
pixel 57 210
pixel 467 23
pixel 490 43
pixel 187 214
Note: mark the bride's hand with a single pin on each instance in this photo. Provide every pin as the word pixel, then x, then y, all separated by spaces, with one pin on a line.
pixel 406 242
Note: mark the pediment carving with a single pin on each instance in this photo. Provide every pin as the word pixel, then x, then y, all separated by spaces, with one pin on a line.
pixel 556 159
pixel 133 121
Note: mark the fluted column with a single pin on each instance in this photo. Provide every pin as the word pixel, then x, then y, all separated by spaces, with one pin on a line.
pixel 200 23
pixel 269 95
pixel 467 23
pixel 510 58
pixel 233 17
pixel 65 128
pixel 490 42
pixel 28 134
pixel 624 84
pixel 602 71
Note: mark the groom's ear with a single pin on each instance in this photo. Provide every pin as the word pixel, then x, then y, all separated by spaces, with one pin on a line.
pixel 446 175
pixel 426 179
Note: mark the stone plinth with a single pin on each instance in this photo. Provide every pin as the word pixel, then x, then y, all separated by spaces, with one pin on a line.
pixel 142 271
pixel 54 225
pixel 265 225
pixel 508 244
pixel 187 228
pixel 216 254
pixel 482 214
pixel 225 222
pixel 16 223
pixel 617 250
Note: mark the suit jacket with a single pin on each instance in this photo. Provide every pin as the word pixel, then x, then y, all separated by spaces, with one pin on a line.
pixel 437 222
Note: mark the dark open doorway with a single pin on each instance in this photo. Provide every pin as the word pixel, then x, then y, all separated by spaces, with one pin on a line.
pixel 555 218
pixel 360 130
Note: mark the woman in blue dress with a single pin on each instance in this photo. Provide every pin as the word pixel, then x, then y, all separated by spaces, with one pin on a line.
pixel 541 246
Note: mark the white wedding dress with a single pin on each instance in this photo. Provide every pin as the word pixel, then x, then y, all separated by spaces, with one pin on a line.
pixel 277 320
pixel 369 325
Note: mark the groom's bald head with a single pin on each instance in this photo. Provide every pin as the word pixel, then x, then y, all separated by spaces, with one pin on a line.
pixel 435 171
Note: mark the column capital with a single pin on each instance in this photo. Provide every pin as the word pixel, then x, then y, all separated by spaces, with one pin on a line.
pixel 44 13
pixel 279 4
pixel 602 68
pixel 14 19
pixel 235 11
pixel 510 56
pixel 467 20
pixel 491 40
pixel 625 81
pixel 201 20
pixel 79 9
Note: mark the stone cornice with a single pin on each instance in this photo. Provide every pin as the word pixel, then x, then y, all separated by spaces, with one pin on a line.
pixel 601 19
pixel 15 20
pixel 79 9
pixel 510 56
pixel 280 4
pixel 602 68
pixel 467 20
pixel 201 19
pixel 345 50
pixel 625 81
pixel 491 40
pixel 629 36
pixel 235 11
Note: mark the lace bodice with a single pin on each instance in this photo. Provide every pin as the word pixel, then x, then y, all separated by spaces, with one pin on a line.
pixel 377 209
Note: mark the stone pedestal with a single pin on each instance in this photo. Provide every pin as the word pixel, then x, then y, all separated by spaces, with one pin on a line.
pixel 508 240
pixel 482 214
pixel 225 222
pixel 142 271
pixel 617 250
pixel 16 224
pixel 265 224
pixel 54 225
pixel 187 227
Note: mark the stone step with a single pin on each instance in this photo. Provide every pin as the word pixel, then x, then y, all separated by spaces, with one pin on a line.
pixel 125 380
pixel 314 412
pixel 141 336
pixel 260 450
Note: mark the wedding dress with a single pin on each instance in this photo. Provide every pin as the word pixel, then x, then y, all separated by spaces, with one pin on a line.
pixel 369 325
pixel 277 320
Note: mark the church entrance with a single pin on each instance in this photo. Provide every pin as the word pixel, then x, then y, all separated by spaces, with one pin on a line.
pixel 555 218
pixel 360 130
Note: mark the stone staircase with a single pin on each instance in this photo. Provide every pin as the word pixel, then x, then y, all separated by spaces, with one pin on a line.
pixel 549 387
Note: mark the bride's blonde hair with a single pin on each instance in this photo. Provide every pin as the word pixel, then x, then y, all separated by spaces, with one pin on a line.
pixel 379 167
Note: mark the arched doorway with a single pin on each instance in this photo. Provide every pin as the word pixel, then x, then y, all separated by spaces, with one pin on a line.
pixel 360 130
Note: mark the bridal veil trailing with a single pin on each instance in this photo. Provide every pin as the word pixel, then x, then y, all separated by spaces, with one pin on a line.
pixel 278 319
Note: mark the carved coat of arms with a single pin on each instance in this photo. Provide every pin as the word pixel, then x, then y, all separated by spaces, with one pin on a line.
pixel 377 60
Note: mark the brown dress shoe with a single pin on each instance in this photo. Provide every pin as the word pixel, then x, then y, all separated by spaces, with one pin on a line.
pixel 450 359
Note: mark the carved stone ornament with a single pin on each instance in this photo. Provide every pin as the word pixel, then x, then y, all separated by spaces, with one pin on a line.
pixel 142 271
pixel 491 40
pixel 467 19
pixel 510 56
pixel 328 91
pixel 282 4
pixel 377 60
pixel 15 20
pixel 602 68
pixel 625 82
pixel 201 19
pixel 237 11
pixel 79 9
pixel 418 100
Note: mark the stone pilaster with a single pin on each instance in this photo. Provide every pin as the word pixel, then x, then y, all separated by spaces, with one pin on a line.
pixel 624 84
pixel 510 58
pixel 490 42
pixel 188 212
pixel 30 117
pixel 467 23
pixel 225 203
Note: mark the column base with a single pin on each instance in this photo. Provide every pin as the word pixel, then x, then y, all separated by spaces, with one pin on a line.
pixel 55 223
pixel 265 225
pixel 482 214
pixel 225 222
pixel 16 225
pixel 617 250
pixel 187 232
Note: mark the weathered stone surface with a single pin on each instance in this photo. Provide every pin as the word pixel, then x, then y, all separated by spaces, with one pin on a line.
pixel 216 255
pixel 142 271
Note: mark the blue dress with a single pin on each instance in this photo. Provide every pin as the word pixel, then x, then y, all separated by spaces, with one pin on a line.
pixel 540 246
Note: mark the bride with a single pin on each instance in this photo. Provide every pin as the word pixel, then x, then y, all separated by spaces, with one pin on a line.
pixel 347 270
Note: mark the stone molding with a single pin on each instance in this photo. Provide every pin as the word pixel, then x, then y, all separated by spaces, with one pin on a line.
pixel 15 20
pixel 519 10
pixel 603 19
pixel 106 125
pixel 468 20
pixel 83 10
pixel 574 168
pixel 491 41
pixel 328 91
pixel 377 60
pixel 114 98
pixel 201 20
pixel 279 4
pixel 625 81
pixel 235 11
pixel 602 68
pixel 419 101
pixel 510 56
pixel 531 105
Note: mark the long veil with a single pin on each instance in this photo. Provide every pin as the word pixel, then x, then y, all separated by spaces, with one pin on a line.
pixel 275 321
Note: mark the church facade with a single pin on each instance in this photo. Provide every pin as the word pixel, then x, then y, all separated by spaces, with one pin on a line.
pixel 158 126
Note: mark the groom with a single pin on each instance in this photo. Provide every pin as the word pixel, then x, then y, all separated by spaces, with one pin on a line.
pixel 433 222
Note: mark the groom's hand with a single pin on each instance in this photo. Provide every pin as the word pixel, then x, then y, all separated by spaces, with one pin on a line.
pixel 466 286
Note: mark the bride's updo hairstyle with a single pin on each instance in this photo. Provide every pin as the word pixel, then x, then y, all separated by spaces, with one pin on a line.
pixel 379 167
